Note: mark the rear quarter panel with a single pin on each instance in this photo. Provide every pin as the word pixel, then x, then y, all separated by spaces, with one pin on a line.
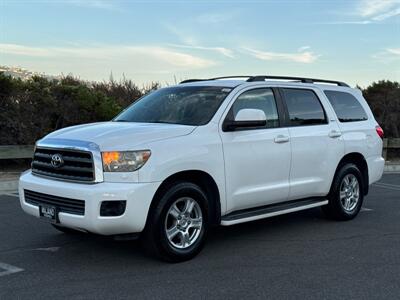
pixel 361 137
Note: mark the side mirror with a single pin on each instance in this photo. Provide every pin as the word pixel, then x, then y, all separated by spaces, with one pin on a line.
pixel 246 118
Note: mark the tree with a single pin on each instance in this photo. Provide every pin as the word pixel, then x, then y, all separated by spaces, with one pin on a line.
pixel 31 109
pixel 384 99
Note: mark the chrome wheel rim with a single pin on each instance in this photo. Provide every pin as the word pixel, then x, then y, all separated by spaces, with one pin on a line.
pixel 183 223
pixel 349 192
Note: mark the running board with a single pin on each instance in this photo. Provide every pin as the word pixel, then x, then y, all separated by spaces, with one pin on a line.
pixel 268 211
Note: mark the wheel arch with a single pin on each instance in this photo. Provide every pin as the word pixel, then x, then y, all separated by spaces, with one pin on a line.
pixel 359 160
pixel 204 180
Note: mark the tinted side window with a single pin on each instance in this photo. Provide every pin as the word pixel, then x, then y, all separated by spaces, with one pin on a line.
pixel 346 106
pixel 304 107
pixel 258 99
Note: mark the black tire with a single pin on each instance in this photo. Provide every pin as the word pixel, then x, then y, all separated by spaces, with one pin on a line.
pixel 335 208
pixel 155 236
pixel 65 230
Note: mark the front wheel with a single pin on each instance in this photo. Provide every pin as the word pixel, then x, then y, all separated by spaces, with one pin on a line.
pixel 346 195
pixel 178 224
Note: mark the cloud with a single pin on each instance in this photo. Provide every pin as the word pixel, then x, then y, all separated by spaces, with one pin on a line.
pixel 387 15
pixel 108 54
pixel 186 34
pixel 369 8
pixel 99 4
pixel 221 50
pixel 371 11
pixel 388 55
pixel 395 51
pixel 304 48
pixel 215 18
pixel 23 50
pixel 181 34
pixel 302 56
pixel 348 22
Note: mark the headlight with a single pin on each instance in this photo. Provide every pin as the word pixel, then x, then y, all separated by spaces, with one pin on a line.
pixel 126 161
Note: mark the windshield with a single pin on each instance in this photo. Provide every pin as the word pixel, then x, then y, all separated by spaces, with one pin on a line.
pixel 186 105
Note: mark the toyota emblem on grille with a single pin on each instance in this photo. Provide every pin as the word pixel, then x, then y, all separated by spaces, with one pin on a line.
pixel 57 161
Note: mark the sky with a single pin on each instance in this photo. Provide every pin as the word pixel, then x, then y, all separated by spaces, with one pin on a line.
pixel 167 41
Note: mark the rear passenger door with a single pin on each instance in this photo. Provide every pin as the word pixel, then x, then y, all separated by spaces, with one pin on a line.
pixel 316 142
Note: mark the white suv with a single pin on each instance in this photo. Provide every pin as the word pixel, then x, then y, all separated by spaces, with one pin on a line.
pixel 208 152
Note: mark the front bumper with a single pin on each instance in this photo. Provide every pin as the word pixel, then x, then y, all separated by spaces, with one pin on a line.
pixel 138 198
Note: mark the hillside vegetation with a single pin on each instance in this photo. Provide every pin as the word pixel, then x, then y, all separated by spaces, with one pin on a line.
pixel 29 109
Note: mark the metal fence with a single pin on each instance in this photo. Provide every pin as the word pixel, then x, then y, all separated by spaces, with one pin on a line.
pixel 26 151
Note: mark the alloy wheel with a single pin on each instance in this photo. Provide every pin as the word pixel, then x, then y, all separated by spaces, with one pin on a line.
pixel 183 223
pixel 349 192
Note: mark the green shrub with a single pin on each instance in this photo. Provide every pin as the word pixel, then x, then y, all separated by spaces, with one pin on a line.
pixel 33 108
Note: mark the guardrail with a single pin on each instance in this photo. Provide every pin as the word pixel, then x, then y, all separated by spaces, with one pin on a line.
pixel 26 151
pixel 390 144
pixel 16 151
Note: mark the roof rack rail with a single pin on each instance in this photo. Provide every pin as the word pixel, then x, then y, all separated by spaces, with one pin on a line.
pixel 227 77
pixel 215 78
pixel 266 77
pixel 191 80
pixel 300 79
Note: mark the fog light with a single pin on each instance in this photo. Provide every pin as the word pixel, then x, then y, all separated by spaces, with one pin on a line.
pixel 112 208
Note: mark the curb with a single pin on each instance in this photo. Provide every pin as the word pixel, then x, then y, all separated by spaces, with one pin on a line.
pixel 389 168
pixel 9 185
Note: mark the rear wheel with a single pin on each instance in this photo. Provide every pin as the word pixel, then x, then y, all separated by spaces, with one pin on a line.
pixel 178 225
pixel 346 195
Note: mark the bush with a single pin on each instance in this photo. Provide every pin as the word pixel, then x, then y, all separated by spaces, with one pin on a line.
pixel 33 108
pixel 384 100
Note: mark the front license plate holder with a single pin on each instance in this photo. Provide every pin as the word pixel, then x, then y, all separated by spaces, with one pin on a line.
pixel 48 213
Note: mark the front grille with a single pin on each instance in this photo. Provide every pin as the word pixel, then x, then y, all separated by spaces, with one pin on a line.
pixel 75 165
pixel 67 205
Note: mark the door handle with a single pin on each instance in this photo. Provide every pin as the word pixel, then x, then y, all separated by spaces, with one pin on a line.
pixel 335 134
pixel 281 139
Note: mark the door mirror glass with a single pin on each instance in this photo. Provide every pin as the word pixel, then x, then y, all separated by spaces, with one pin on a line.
pixel 250 114
pixel 246 118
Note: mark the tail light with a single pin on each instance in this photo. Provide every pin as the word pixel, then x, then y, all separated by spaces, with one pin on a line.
pixel 379 131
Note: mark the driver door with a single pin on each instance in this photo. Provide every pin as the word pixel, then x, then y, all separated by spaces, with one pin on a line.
pixel 257 159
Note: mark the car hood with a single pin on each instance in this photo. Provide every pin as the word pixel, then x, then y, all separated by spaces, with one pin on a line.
pixel 120 135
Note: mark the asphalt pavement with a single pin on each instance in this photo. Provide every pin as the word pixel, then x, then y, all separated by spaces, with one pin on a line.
pixel 296 256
